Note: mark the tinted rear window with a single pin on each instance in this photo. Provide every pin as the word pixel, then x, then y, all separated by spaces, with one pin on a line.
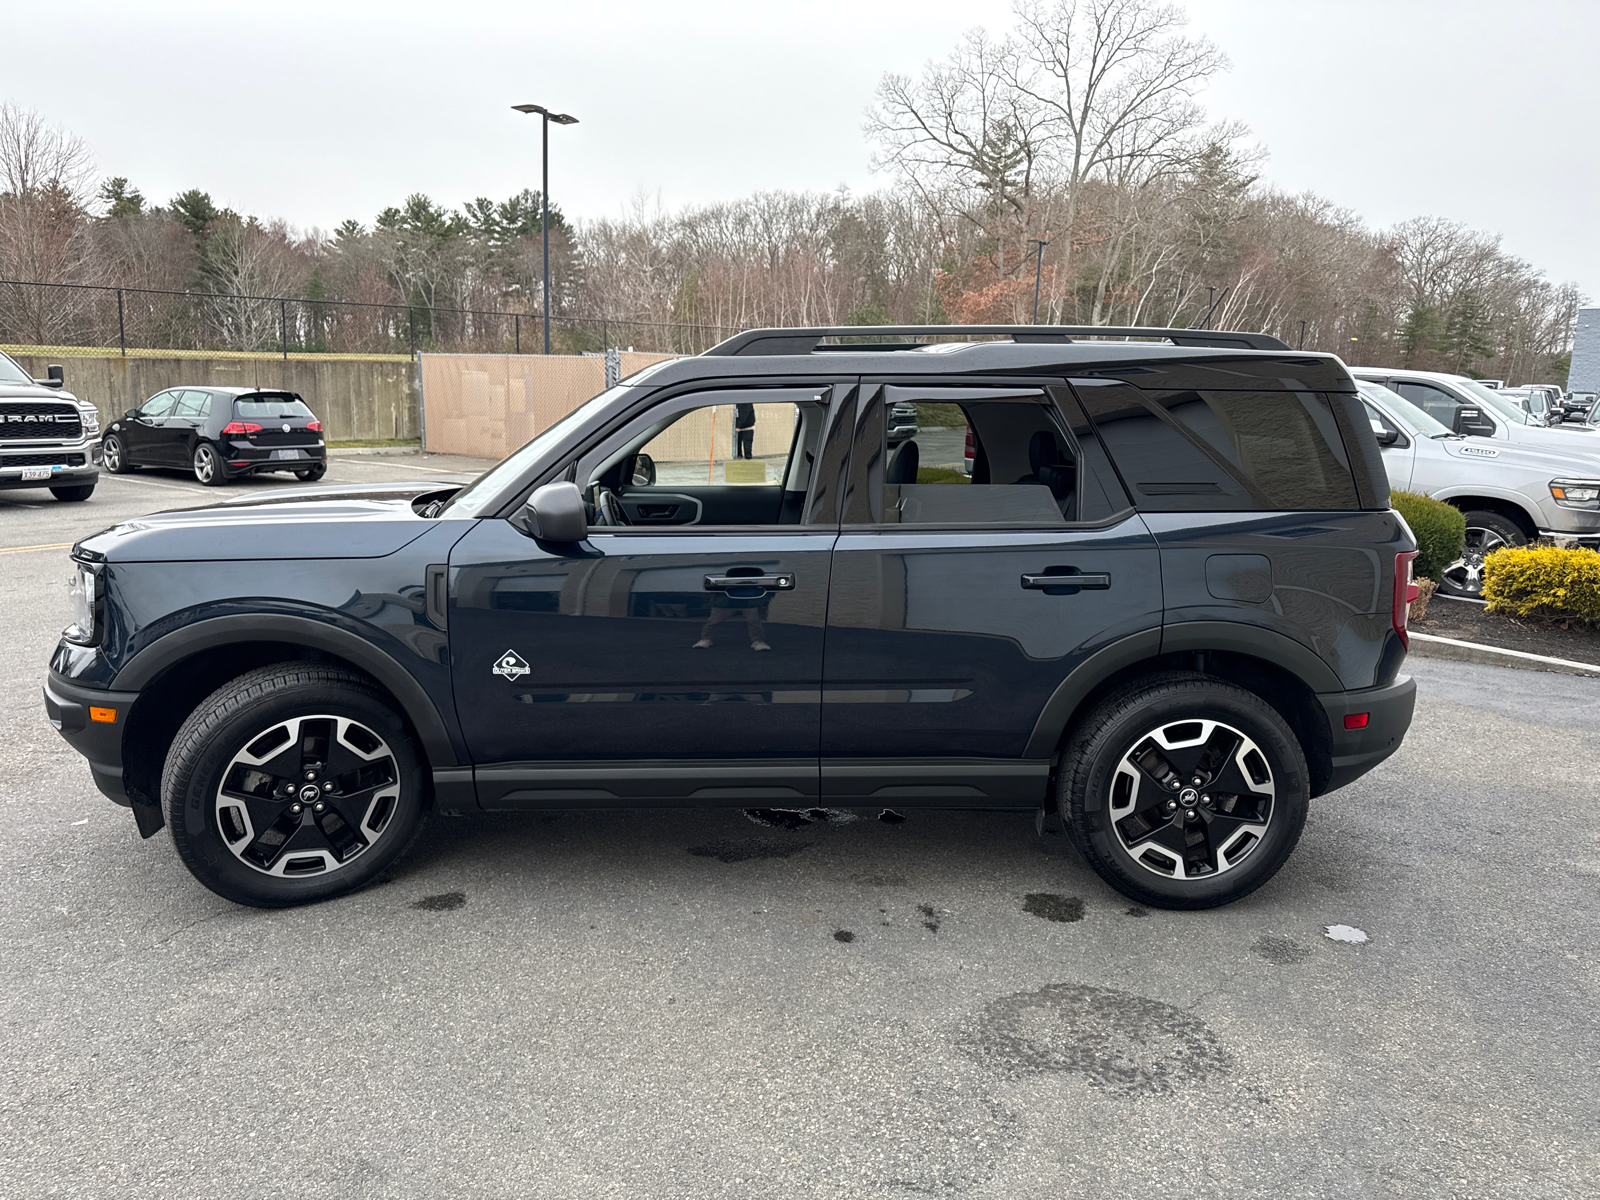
pixel 1223 451
pixel 271 408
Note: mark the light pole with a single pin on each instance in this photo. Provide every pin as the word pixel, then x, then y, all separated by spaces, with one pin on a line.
pixel 544 195
pixel 1038 269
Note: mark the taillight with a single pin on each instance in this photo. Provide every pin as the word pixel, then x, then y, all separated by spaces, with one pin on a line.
pixel 1405 591
pixel 241 427
pixel 969 450
pixel 314 426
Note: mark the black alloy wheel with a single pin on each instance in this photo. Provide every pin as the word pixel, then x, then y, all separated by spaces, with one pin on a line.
pixel 291 784
pixel 115 455
pixel 1486 533
pixel 1183 791
pixel 208 468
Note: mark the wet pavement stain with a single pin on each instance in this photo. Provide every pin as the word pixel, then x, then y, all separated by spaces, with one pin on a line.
pixel 1053 907
pixel 1136 911
pixel 443 902
pixel 1281 951
pixel 843 935
pixel 930 917
pixel 732 850
pixel 1119 1042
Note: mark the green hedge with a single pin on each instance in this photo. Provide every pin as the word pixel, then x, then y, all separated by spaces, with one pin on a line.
pixel 1440 530
pixel 1543 581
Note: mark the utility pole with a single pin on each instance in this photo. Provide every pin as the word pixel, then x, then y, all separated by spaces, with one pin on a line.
pixel 546 116
pixel 1038 270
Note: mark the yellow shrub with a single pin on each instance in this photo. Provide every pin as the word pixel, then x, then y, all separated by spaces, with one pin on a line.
pixel 1543 581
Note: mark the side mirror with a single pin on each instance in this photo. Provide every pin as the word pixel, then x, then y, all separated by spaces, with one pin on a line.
pixel 1386 437
pixel 1470 422
pixel 554 513
pixel 54 377
pixel 642 472
pixel 131 414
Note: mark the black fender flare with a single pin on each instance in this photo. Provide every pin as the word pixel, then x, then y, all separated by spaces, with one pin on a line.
pixel 1149 644
pixel 212 632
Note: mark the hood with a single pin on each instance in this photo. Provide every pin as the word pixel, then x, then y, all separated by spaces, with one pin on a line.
pixel 34 391
pixel 1582 442
pixel 367 521
pixel 1558 460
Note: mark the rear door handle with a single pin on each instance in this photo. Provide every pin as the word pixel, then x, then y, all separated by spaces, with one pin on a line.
pixel 1040 583
pixel 725 583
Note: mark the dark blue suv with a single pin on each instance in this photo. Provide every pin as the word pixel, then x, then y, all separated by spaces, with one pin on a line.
pixel 1168 600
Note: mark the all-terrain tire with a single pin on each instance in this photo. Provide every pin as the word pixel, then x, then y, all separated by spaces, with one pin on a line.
pixel 1102 746
pixel 245 714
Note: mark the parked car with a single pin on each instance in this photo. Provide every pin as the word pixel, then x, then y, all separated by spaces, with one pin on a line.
pixel 1510 494
pixel 1532 401
pixel 1170 603
pixel 1576 406
pixel 219 434
pixel 1464 406
pixel 48 437
pixel 902 422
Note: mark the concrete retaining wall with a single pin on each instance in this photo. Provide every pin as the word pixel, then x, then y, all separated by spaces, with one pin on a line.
pixel 356 397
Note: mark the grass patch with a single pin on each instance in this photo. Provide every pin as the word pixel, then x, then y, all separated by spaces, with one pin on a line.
pixel 368 443
pixel 940 475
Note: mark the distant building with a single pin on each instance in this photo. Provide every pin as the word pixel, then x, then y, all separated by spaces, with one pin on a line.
pixel 1585 373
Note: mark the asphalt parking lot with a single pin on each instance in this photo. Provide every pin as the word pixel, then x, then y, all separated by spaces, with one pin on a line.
pixel 697 1004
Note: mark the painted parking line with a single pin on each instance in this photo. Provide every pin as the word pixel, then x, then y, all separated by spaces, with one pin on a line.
pixel 31 549
pixel 402 466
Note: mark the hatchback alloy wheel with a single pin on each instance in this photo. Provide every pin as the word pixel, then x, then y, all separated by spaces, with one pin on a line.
pixel 207 466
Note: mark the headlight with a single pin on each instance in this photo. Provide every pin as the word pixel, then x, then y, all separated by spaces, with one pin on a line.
pixel 91 419
pixel 83 588
pixel 1576 493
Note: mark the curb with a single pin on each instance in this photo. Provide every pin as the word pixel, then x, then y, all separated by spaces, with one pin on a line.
pixel 1431 645
pixel 363 451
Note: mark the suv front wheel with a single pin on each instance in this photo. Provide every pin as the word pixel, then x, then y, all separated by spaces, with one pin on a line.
pixel 1183 791
pixel 290 784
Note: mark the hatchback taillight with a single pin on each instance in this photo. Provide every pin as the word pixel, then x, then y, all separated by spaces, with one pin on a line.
pixel 241 427
pixel 314 426
pixel 1405 591
pixel 970 451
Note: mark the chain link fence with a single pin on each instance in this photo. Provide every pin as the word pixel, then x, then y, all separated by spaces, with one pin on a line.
pixel 66 319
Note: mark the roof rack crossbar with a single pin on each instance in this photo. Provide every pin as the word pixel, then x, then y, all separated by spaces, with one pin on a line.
pixel 765 342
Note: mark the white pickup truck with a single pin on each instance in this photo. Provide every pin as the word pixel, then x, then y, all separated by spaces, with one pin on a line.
pixel 1510 492
pixel 48 437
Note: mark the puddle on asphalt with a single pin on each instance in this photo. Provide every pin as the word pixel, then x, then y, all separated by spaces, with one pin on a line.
pixel 1053 907
pixel 443 902
pixel 1281 951
pixel 843 935
pixel 930 917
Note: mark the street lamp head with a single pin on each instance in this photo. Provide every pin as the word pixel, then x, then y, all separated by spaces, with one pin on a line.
pixel 558 118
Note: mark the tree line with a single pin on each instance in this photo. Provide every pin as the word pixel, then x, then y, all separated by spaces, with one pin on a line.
pixel 1070 161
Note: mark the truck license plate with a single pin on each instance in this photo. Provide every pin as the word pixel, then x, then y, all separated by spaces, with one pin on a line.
pixel 32 473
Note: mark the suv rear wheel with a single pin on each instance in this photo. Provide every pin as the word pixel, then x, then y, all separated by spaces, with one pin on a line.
pixel 290 784
pixel 1183 791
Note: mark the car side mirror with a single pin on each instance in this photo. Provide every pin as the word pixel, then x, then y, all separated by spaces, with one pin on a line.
pixel 554 513
pixel 131 414
pixel 642 471
pixel 54 377
pixel 1386 437
pixel 1470 422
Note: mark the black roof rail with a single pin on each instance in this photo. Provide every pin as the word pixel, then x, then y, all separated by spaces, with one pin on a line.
pixel 761 342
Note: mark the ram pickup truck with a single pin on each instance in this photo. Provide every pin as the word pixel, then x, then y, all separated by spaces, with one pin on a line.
pixel 48 437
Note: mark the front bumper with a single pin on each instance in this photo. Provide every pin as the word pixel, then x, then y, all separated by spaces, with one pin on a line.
pixel 67 706
pixel 1357 751
pixel 62 474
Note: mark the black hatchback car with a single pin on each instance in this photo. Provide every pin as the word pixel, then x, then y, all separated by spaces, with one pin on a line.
pixel 219 433
pixel 1168 603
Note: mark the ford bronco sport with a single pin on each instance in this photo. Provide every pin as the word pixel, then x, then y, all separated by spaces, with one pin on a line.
pixel 1168 602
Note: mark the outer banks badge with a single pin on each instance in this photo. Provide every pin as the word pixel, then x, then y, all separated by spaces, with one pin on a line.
pixel 510 665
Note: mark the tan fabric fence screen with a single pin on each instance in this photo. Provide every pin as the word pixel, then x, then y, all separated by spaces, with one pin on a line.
pixel 486 405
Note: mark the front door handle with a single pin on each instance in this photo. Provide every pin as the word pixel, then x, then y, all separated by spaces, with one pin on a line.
pixel 728 583
pixel 1043 583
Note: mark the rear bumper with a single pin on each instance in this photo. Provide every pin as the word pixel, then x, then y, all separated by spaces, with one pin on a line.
pixel 1357 751
pixel 67 706
pixel 246 459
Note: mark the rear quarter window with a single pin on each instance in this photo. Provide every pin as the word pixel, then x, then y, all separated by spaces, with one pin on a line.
pixel 1223 451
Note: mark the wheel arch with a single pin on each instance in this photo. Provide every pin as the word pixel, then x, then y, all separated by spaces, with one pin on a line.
pixel 1514 511
pixel 176 672
pixel 1279 670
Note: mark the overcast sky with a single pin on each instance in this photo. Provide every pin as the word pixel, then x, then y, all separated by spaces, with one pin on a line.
pixel 1479 112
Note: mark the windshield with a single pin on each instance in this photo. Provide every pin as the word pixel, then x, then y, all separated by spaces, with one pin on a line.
pixel 1506 408
pixel 485 492
pixel 10 372
pixel 1403 413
